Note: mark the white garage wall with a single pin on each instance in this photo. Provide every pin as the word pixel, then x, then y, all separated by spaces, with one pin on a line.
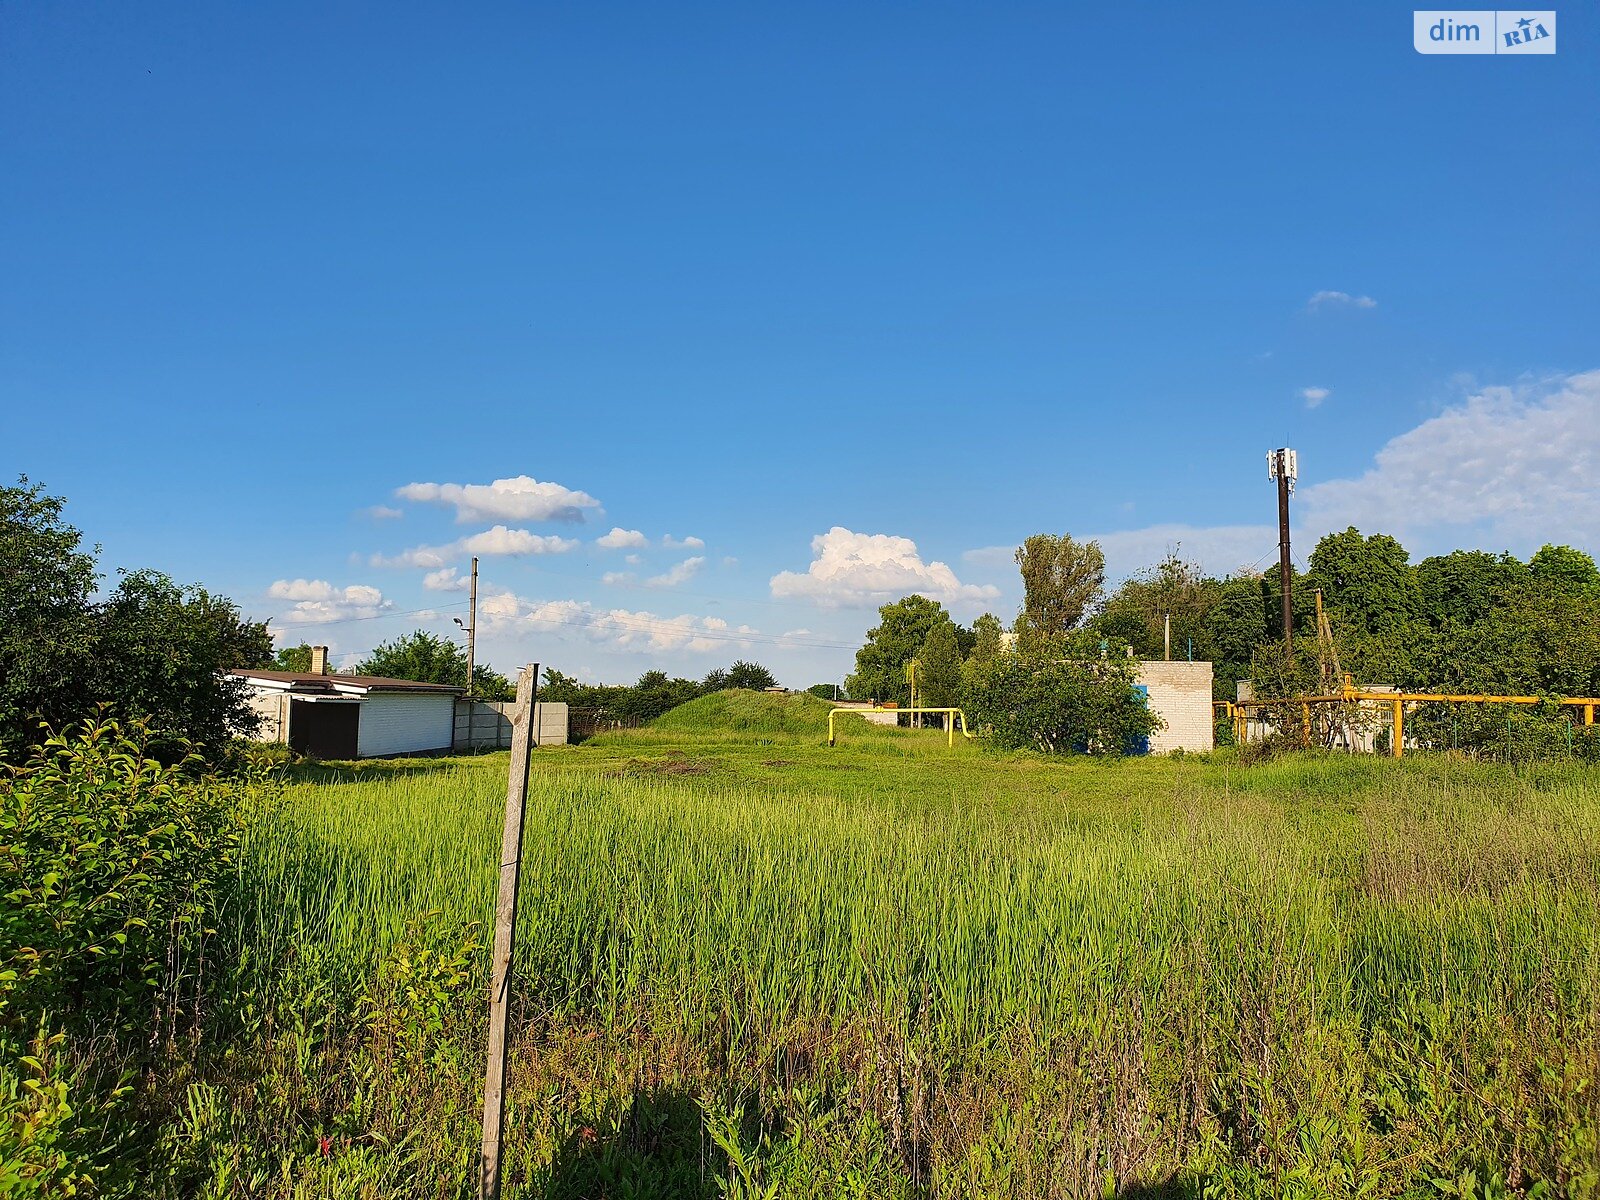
pixel 404 723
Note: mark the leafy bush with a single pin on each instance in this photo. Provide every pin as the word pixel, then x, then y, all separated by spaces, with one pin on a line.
pixel 112 866
pixel 1072 694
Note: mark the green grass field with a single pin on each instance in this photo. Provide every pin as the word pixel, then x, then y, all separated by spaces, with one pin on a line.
pixel 752 965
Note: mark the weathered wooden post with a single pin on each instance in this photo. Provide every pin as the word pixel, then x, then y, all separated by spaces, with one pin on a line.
pixel 524 736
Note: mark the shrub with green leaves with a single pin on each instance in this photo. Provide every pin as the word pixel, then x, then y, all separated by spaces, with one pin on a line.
pixel 1070 694
pixel 112 868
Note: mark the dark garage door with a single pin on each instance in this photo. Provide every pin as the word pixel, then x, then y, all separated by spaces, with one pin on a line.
pixel 323 730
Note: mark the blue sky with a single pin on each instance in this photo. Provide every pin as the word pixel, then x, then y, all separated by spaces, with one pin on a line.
pixel 841 292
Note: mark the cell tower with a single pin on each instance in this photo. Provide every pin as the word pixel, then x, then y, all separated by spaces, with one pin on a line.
pixel 1283 465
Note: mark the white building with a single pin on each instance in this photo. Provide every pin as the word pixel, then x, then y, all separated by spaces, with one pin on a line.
pixel 351 716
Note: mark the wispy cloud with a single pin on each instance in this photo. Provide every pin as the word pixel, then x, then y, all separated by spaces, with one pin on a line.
pixel 520 498
pixel 1517 466
pixel 682 573
pixel 618 627
pixel 688 543
pixel 1322 300
pixel 1314 396
pixel 382 512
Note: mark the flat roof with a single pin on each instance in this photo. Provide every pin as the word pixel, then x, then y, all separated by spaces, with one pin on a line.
pixel 307 681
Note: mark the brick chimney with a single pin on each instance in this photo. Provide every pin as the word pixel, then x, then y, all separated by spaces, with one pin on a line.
pixel 319 660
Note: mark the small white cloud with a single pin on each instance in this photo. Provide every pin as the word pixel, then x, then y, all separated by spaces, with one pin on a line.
pixel 496 541
pixel 446 579
pixel 682 573
pixel 1321 300
pixel 862 570
pixel 316 601
pixel 633 560
pixel 520 498
pixel 301 589
pixel 622 539
pixel 1314 396
pixel 617 578
pixel 382 512
pixel 688 543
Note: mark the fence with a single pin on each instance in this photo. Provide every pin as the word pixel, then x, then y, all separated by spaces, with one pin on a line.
pixel 486 724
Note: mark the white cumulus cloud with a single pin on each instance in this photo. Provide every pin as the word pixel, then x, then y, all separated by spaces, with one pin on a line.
pixel 496 541
pixel 622 539
pixel 1314 396
pixel 446 579
pixel 862 570
pixel 688 543
pixel 316 601
pixel 520 498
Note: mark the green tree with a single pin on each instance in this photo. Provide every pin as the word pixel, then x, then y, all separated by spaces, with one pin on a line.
pixel 47 624
pixel 1060 695
pixel 428 658
pixel 655 694
pixel 988 638
pixel 1137 611
pixel 151 649
pixel 1373 601
pixel 828 691
pixel 162 654
pixel 1237 625
pixel 1566 570
pixel 1465 586
pixel 293 658
pixel 939 667
pixel 1061 580
pixel 741 674
pixel 902 629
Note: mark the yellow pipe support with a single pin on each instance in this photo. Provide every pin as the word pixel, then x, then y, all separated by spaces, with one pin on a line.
pixel 1399 733
pixel 1588 714
pixel 952 713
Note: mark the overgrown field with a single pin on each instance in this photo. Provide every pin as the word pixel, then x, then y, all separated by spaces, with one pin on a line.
pixel 755 966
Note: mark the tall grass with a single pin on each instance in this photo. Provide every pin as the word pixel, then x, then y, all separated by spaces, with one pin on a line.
pixel 1033 977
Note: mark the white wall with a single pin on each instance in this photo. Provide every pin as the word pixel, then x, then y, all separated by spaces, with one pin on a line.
pixel 1180 694
pixel 405 722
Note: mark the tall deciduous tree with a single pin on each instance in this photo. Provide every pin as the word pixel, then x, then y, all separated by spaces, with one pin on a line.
pixel 47 623
pixel 1061 580
pixel 902 629
pixel 987 638
pixel 151 650
pixel 939 667
pixel 428 658
pixel 1137 611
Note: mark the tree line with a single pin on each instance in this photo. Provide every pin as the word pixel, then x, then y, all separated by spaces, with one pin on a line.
pixel 1466 621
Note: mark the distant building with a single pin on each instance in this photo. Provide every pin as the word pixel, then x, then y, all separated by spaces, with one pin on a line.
pixel 351 716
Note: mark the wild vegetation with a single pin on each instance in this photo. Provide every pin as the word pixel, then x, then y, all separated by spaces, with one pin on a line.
pixel 752 965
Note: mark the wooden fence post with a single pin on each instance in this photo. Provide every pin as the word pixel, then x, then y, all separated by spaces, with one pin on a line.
pixel 523 738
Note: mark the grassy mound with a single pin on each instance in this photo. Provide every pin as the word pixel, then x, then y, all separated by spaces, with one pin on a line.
pixel 748 712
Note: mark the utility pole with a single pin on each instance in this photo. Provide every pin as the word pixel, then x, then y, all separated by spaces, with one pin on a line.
pixel 1284 466
pixel 472 623
pixel 1166 635
pixel 524 737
